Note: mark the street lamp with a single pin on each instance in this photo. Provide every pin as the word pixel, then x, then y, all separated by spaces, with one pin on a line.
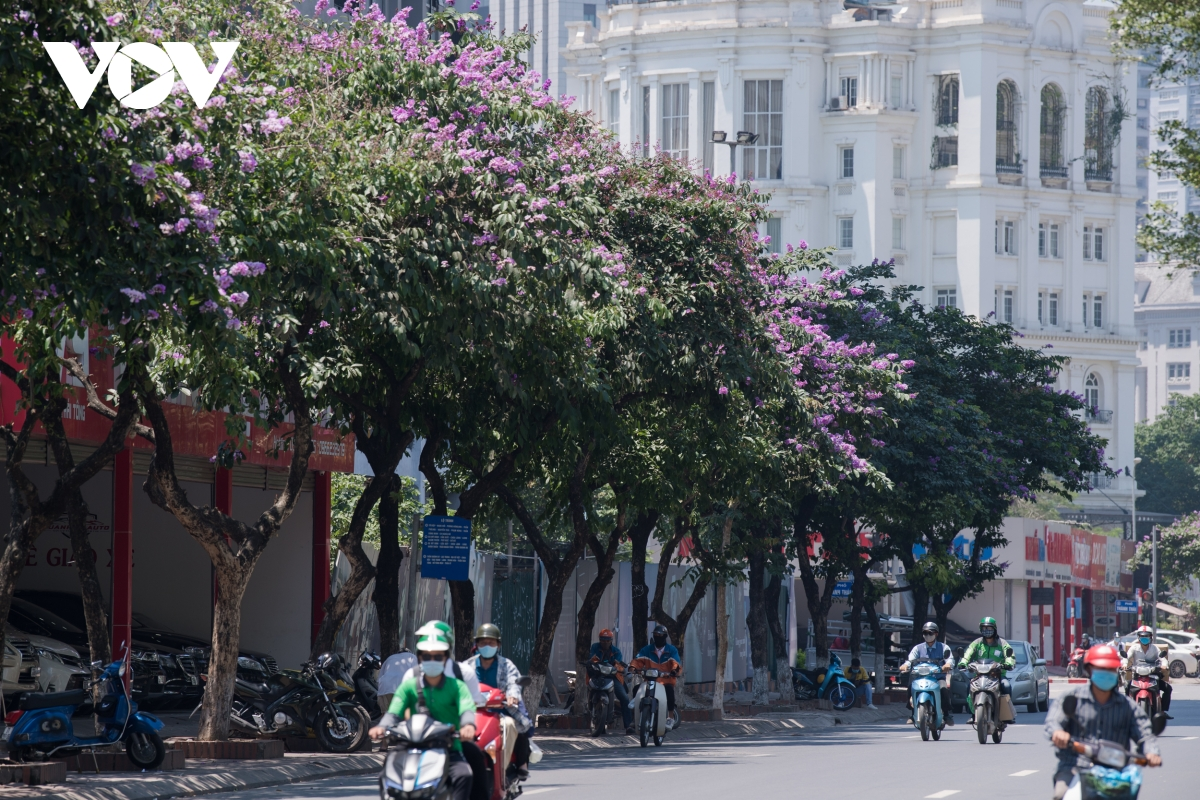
pixel 743 137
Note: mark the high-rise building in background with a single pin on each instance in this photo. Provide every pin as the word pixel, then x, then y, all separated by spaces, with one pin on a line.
pixel 981 144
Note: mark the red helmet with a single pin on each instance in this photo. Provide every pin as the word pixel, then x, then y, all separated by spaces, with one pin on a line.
pixel 1104 656
pixel 606 634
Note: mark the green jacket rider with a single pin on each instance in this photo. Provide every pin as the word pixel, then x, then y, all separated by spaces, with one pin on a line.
pixel 991 647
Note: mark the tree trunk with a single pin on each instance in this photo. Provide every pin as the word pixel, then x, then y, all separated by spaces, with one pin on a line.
pixel 232 579
pixel 462 608
pixel 387 571
pixel 677 626
pixel 89 583
pixel 722 626
pixel 585 619
pixel 778 627
pixel 557 578
pixel 881 641
pixel 756 626
pixel 639 539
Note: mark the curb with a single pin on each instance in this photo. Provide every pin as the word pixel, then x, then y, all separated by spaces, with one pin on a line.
pixel 766 724
pixel 256 775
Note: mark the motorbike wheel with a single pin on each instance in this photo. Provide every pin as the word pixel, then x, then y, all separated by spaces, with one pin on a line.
pixel 923 721
pixel 145 750
pixel 936 733
pixel 599 716
pixel 1148 707
pixel 658 741
pixel 1072 670
pixel 842 697
pixel 646 724
pixel 997 735
pixel 340 730
pixel 981 723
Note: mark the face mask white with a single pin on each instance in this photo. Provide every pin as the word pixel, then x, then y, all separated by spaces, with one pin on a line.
pixel 433 669
pixel 488 651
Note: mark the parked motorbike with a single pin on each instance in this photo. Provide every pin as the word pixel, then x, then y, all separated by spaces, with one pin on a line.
pixel 361 687
pixel 291 702
pixel 497 736
pixel 41 727
pixel 927 699
pixel 650 718
pixel 415 769
pixel 1075 664
pixel 572 681
pixel 830 682
pixel 983 700
pixel 602 695
pixel 1143 687
pixel 1113 772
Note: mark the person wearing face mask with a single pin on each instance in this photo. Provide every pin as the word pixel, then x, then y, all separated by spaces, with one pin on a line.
pixel 443 697
pixel 662 652
pixel 605 652
pixel 1144 651
pixel 499 672
pixel 989 646
pixel 1101 714
pixel 939 652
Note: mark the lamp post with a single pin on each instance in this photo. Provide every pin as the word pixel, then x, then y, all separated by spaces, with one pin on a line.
pixel 743 137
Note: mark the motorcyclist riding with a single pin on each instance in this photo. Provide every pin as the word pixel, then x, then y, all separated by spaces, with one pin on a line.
pixel 1144 651
pixel 446 699
pixel 500 673
pixel 933 650
pixel 991 647
pixel 660 650
pixel 1101 714
pixel 605 652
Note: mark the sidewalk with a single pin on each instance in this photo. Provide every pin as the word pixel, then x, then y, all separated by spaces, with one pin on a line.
pixel 210 776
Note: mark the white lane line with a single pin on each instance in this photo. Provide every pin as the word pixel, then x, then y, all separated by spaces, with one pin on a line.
pixel 660 769
pixel 540 791
pixel 912 737
pixel 942 793
pixel 1022 773
pixel 1188 738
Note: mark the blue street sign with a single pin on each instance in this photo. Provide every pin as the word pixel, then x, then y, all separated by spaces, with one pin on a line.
pixel 1127 606
pixel 446 549
pixel 843 588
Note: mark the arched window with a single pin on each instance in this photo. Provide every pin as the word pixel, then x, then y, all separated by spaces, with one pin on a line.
pixel 1091 393
pixel 1052 157
pixel 1097 142
pixel 1008 159
pixel 947 100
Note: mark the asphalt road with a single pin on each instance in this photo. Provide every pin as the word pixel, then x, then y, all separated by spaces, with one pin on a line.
pixel 887 761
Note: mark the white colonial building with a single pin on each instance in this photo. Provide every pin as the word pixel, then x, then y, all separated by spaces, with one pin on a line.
pixel 1168 318
pixel 983 144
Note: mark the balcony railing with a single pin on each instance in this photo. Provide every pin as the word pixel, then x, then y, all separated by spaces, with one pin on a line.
pixel 1099 480
pixel 1054 172
pixel 1098 174
pixel 1103 416
pixel 1004 168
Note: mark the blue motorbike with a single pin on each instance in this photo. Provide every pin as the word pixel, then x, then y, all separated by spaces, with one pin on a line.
pixel 927 699
pixel 40 726
pixel 832 683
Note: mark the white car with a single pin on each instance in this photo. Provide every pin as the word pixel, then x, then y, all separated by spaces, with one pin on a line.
pixel 1179 661
pixel 1183 640
pixel 60 668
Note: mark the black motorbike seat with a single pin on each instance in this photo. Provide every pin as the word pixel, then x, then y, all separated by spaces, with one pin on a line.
pixel 27 701
pixel 270 692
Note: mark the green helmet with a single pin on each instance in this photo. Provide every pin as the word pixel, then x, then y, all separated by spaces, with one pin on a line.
pixel 436 626
pixel 989 622
pixel 487 631
pixel 433 640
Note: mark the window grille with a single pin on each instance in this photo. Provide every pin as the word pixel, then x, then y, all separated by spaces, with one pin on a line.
pixel 849 90
pixel 897 233
pixel 1006 311
pixel 614 110
pixel 947 298
pixel 1008 160
pixel 1053 163
pixel 1097 311
pixel 898 152
pixel 847 161
pixel 763 114
pixel 675 120
pixel 775 232
pixel 947 100
pixel 1091 391
pixel 945 151
pixel 846 233
pixel 1179 337
pixel 1097 144
pixel 1052 309
pixel 1177 372
pixel 645 122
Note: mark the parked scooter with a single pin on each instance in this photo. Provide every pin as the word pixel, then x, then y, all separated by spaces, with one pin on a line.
pixel 497 736
pixel 362 688
pixel 41 727
pixel 602 695
pixel 650 717
pixel 830 682
pixel 1143 687
pixel 927 699
pixel 293 701
pixel 983 699
pixel 1114 770
pixel 418 752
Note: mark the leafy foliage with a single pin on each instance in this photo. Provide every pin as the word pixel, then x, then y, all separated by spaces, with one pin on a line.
pixel 1170 468
pixel 1178 553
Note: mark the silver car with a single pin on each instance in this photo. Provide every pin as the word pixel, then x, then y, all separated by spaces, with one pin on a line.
pixel 1030 680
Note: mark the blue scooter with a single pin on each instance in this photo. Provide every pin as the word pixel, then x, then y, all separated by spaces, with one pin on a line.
pixel 41 724
pixel 927 699
pixel 833 684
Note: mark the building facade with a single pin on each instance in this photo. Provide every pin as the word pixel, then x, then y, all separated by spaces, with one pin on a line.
pixel 982 144
pixel 1167 311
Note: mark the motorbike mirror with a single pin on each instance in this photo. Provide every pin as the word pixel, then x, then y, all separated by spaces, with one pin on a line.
pixel 524 681
pixel 1040 662
pixel 1158 723
pixel 1069 704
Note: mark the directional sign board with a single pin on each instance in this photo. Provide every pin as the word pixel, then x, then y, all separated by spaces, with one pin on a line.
pixel 1127 606
pixel 843 588
pixel 446 549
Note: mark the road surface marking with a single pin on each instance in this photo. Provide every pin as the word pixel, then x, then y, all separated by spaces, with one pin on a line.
pixel 912 737
pixel 1022 773
pixel 1187 738
pixel 942 793
pixel 540 791
pixel 660 769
